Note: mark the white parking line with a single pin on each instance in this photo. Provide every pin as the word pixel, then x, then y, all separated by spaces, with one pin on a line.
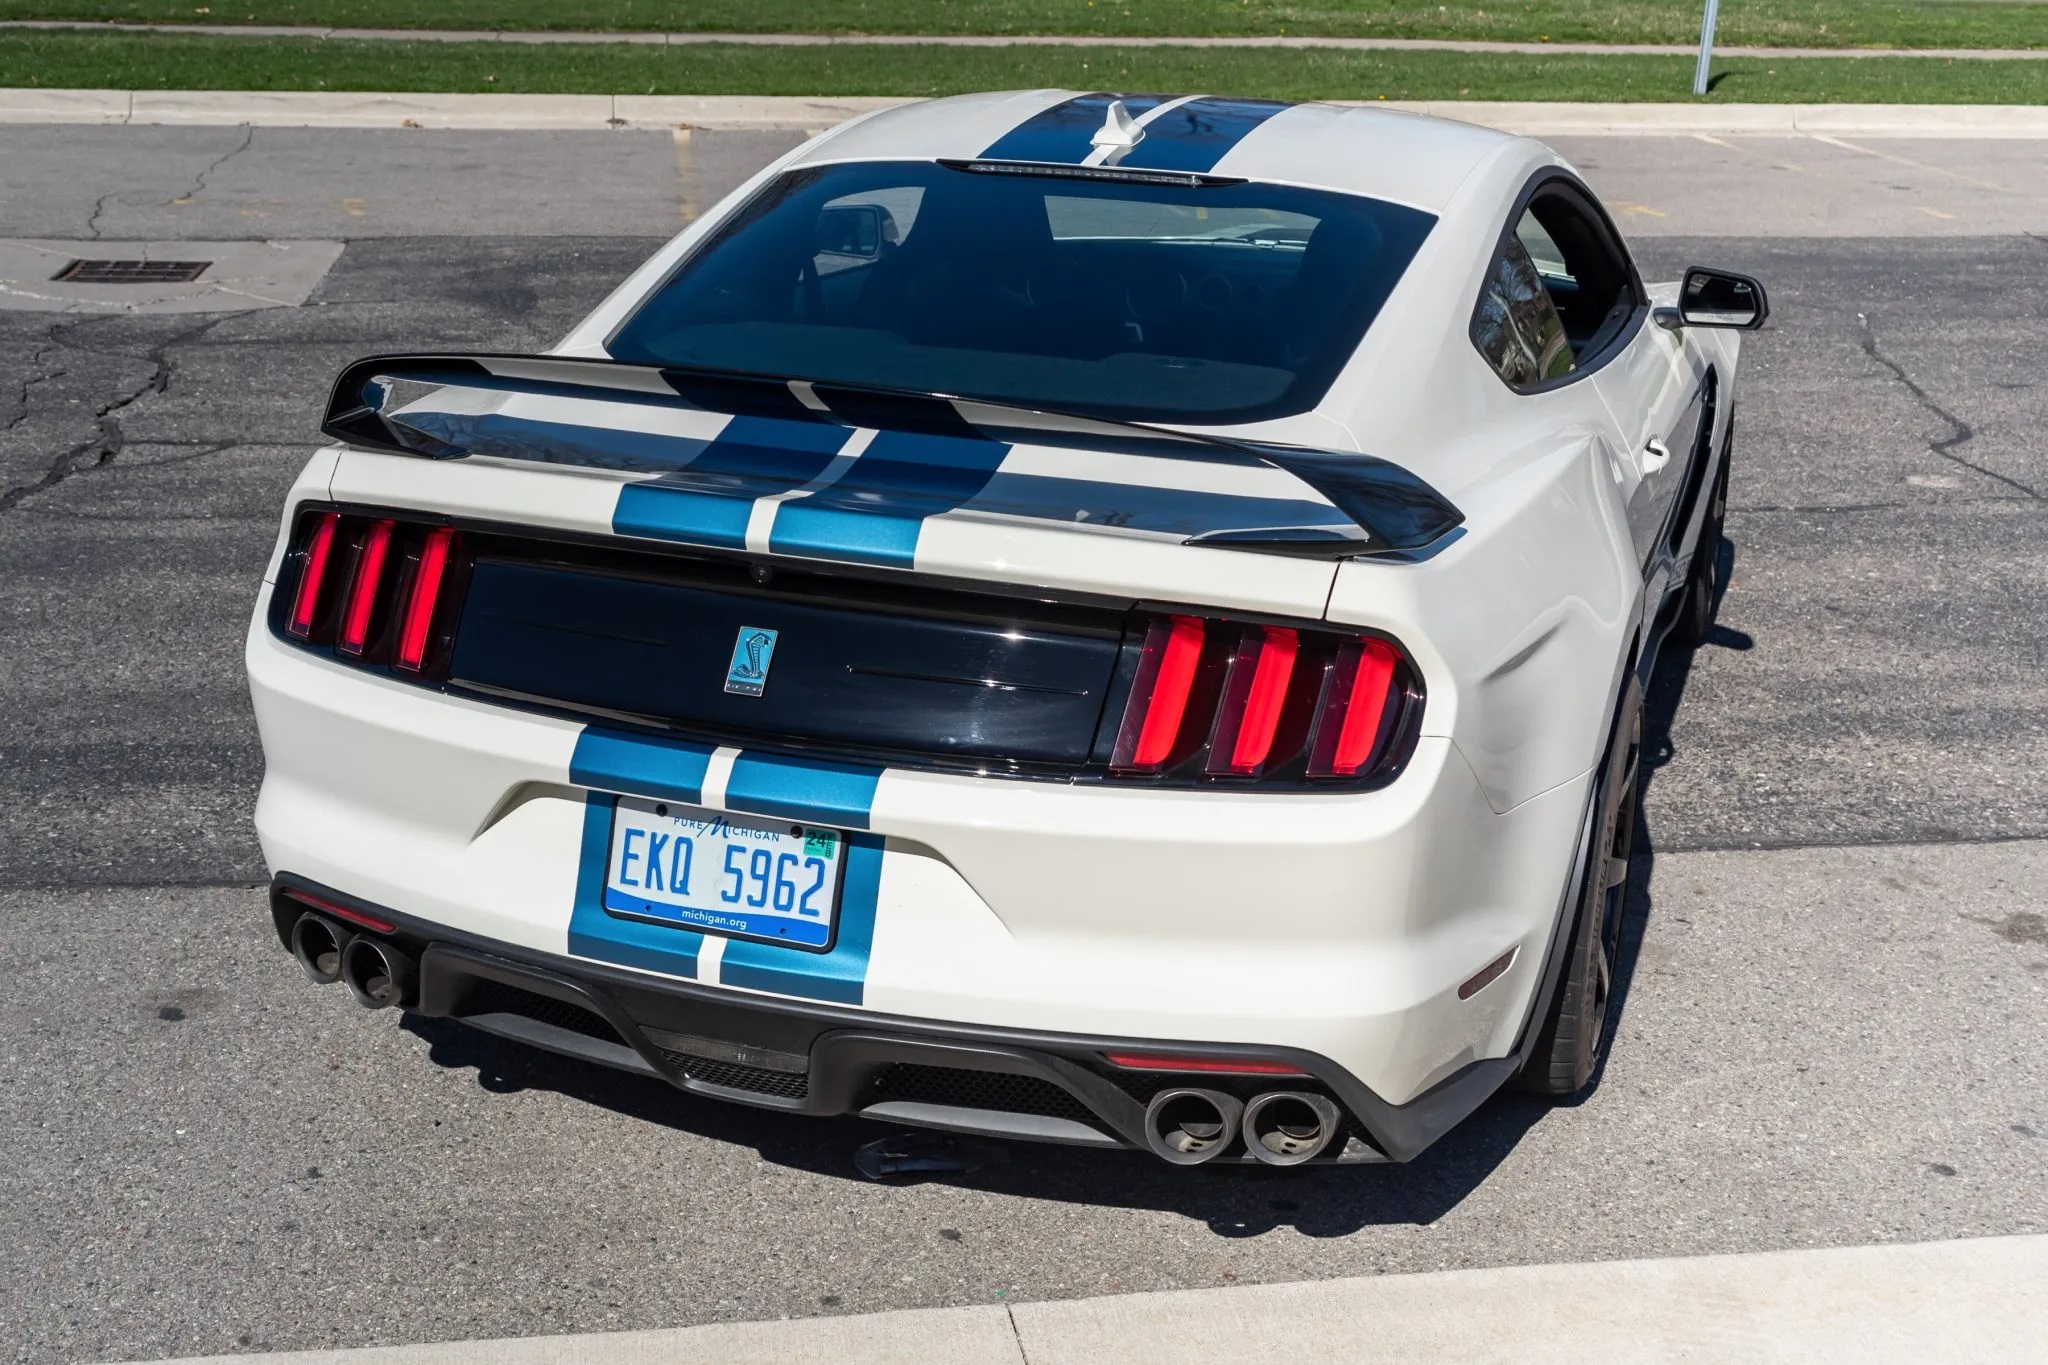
pixel 1926 1304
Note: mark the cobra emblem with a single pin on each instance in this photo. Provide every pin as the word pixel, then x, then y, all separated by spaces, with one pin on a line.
pixel 754 645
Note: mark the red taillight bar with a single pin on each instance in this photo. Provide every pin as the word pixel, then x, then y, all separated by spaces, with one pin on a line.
pixel 1355 696
pixel 312 574
pixel 362 588
pixel 1254 694
pixel 1159 694
pixel 328 907
pixel 1219 1066
pixel 418 621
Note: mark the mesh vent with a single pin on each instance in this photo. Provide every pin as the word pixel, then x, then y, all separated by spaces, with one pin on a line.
pixel 495 997
pixel 964 1089
pixel 787 1085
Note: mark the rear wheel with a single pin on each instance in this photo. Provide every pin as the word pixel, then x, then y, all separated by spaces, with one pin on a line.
pixel 1567 1047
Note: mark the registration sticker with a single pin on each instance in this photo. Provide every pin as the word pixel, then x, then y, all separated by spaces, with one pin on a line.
pixel 745 878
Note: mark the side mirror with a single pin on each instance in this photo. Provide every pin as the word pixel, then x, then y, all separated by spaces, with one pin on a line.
pixel 1721 298
pixel 851 230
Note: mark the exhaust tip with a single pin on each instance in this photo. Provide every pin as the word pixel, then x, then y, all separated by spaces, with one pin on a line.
pixel 377 974
pixel 1288 1127
pixel 317 943
pixel 1187 1127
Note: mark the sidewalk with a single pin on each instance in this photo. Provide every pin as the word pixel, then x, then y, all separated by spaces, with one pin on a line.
pixel 1009 40
pixel 1941 1303
pixel 342 109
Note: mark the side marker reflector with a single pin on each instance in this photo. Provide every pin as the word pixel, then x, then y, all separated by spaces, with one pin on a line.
pixel 1488 974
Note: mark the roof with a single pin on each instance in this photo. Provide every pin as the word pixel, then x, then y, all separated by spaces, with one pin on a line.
pixel 1405 158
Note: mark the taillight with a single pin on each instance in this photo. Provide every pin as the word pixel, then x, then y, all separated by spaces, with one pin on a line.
pixel 361 602
pixel 417 627
pixel 378 591
pixel 1253 695
pixel 1354 711
pixel 1159 694
pixel 313 574
pixel 1219 699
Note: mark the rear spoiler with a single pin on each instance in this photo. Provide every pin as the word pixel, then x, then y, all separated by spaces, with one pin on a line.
pixel 1394 511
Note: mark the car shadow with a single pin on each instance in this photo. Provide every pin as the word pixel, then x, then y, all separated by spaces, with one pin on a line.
pixel 1232 1201
pixel 1661 701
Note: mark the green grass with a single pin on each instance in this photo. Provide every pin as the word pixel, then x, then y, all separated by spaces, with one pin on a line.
pixel 1783 23
pixel 162 62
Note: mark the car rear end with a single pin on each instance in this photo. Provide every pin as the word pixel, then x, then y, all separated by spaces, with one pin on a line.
pixel 840 751
pixel 1085 847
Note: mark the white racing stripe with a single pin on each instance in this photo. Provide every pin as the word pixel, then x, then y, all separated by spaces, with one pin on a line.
pixel 717 772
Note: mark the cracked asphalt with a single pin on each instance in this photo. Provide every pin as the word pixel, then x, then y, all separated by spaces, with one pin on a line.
pixel 1834 1028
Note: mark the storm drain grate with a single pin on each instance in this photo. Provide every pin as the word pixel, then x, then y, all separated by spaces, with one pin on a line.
pixel 132 272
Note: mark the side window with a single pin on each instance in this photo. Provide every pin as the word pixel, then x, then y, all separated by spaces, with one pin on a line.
pixel 1584 272
pixel 1558 292
pixel 1516 326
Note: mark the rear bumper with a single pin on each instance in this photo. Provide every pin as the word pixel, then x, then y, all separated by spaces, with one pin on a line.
pixel 804 1058
pixel 1337 926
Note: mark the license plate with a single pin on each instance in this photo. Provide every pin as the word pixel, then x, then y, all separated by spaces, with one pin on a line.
pixel 699 869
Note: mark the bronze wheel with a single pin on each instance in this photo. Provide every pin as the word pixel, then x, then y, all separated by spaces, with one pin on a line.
pixel 1567 1048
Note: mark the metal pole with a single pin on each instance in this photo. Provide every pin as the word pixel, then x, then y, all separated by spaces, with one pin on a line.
pixel 1699 75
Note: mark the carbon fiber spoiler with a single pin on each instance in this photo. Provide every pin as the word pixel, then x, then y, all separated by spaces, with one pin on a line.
pixel 1394 511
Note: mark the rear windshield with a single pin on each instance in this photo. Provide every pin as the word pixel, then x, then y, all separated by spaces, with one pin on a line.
pixel 1174 303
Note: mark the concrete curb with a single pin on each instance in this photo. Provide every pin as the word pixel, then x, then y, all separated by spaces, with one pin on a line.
pixel 567 37
pixel 1939 1303
pixel 343 109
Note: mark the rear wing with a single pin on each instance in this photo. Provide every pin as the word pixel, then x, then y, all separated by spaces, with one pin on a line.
pixel 1386 509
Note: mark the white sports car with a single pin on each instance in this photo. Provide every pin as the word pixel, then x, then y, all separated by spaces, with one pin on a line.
pixel 1107 619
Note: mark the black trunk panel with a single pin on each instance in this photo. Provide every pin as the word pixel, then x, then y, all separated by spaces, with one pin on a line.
pixel 951 675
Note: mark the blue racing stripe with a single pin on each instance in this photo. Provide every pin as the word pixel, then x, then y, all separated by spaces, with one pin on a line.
pixel 839 976
pixel 1061 134
pixel 606 938
pixel 812 789
pixel 709 500
pixel 1198 134
pixel 640 765
pixel 875 513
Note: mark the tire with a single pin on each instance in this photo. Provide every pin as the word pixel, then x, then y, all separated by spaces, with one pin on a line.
pixel 1696 616
pixel 1567 1047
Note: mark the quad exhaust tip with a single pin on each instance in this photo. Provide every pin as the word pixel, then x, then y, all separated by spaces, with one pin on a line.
pixel 318 943
pixel 1288 1127
pixel 377 974
pixel 1189 1126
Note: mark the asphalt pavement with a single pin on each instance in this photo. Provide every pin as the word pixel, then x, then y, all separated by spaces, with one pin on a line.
pixel 1837 997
